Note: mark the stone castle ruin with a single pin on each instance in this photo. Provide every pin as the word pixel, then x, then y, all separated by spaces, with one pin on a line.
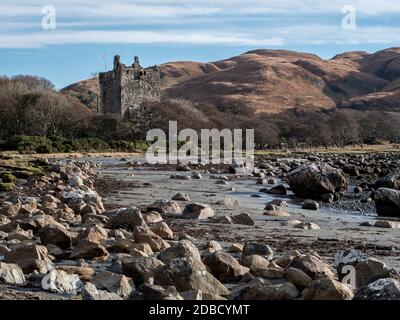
pixel 126 88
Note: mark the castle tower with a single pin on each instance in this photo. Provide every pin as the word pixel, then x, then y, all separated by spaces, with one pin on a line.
pixel 117 62
pixel 136 63
pixel 125 89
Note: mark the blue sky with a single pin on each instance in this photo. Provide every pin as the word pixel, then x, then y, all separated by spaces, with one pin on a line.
pixel 87 36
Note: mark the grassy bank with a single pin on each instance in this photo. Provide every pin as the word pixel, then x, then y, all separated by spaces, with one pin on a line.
pixel 34 147
pixel 12 168
pixel 386 147
pixel 45 145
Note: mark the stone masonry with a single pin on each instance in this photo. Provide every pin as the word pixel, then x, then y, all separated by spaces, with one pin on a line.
pixel 126 88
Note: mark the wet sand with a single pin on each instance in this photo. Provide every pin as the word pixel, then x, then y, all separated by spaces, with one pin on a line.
pixel 340 229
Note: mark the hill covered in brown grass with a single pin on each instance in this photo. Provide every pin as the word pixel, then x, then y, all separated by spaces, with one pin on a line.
pixel 276 80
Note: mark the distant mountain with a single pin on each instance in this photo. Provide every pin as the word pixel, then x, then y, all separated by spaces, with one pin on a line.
pixel 276 80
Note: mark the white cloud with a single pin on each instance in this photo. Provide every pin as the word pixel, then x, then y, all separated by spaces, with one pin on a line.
pixel 296 7
pixel 172 8
pixel 275 37
pixel 46 38
pixel 227 22
pixel 98 9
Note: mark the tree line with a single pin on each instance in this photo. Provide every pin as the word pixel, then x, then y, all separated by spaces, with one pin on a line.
pixel 30 106
pixel 293 128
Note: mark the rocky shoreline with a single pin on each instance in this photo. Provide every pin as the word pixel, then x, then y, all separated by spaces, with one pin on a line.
pixel 87 229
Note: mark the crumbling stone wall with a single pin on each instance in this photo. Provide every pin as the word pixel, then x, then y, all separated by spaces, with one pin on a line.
pixel 125 88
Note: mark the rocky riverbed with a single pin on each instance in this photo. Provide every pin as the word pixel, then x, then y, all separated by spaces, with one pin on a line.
pixel 109 228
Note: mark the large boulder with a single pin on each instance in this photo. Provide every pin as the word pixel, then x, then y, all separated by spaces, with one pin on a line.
pixel 326 288
pixel 154 292
pixel 181 196
pixel 3 249
pixel 113 282
pixel 252 248
pixel 28 205
pixel 275 211
pixel 228 202
pixel 311 265
pixel 197 211
pixel 84 273
pixel 299 278
pixel 182 249
pixel 351 170
pixel 185 271
pixel 277 190
pixel 89 250
pixel 367 269
pixel 286 259
pixel 152 217
pixel 29 258
pixel 243 218
pixel 3 235
pixel 257 264
pixel 94 233
pixel 37 222
pixel 387 202
pixel 259 289
pixel 382 289
pixel 9 209
pixel 185 275
pixel 11 274
pixel 19 234
pixel 141 269
pixel 55 234
pixel 387 224
pixel 391 181
pixel 315 180
pixel 310 205
pixel 90 292
pixel 225 267
pixel 162 230
pixel 166 207
pixel 126 218
pixel 145 235
pixel 61 282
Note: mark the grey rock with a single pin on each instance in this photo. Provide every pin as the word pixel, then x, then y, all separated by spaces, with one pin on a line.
pixel 113 282
pixel 326 288
pixel 244 219
pixel 90 292
pixel 166 207
pixel 382 289
pixel 155 292
pixel 251 248
pixel 225 267
pixel 181 196
pixel 126 218
pixel 11 274
pixel 310 205
pixel 61 282
pixel 387 202
pixel 391 181
pixel 315 180
pixel 311 265
pixel 55 234
pixel 141 269
pixel 367 269
pixel 197 211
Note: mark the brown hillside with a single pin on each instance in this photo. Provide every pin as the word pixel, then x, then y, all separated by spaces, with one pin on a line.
pixel 276 80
